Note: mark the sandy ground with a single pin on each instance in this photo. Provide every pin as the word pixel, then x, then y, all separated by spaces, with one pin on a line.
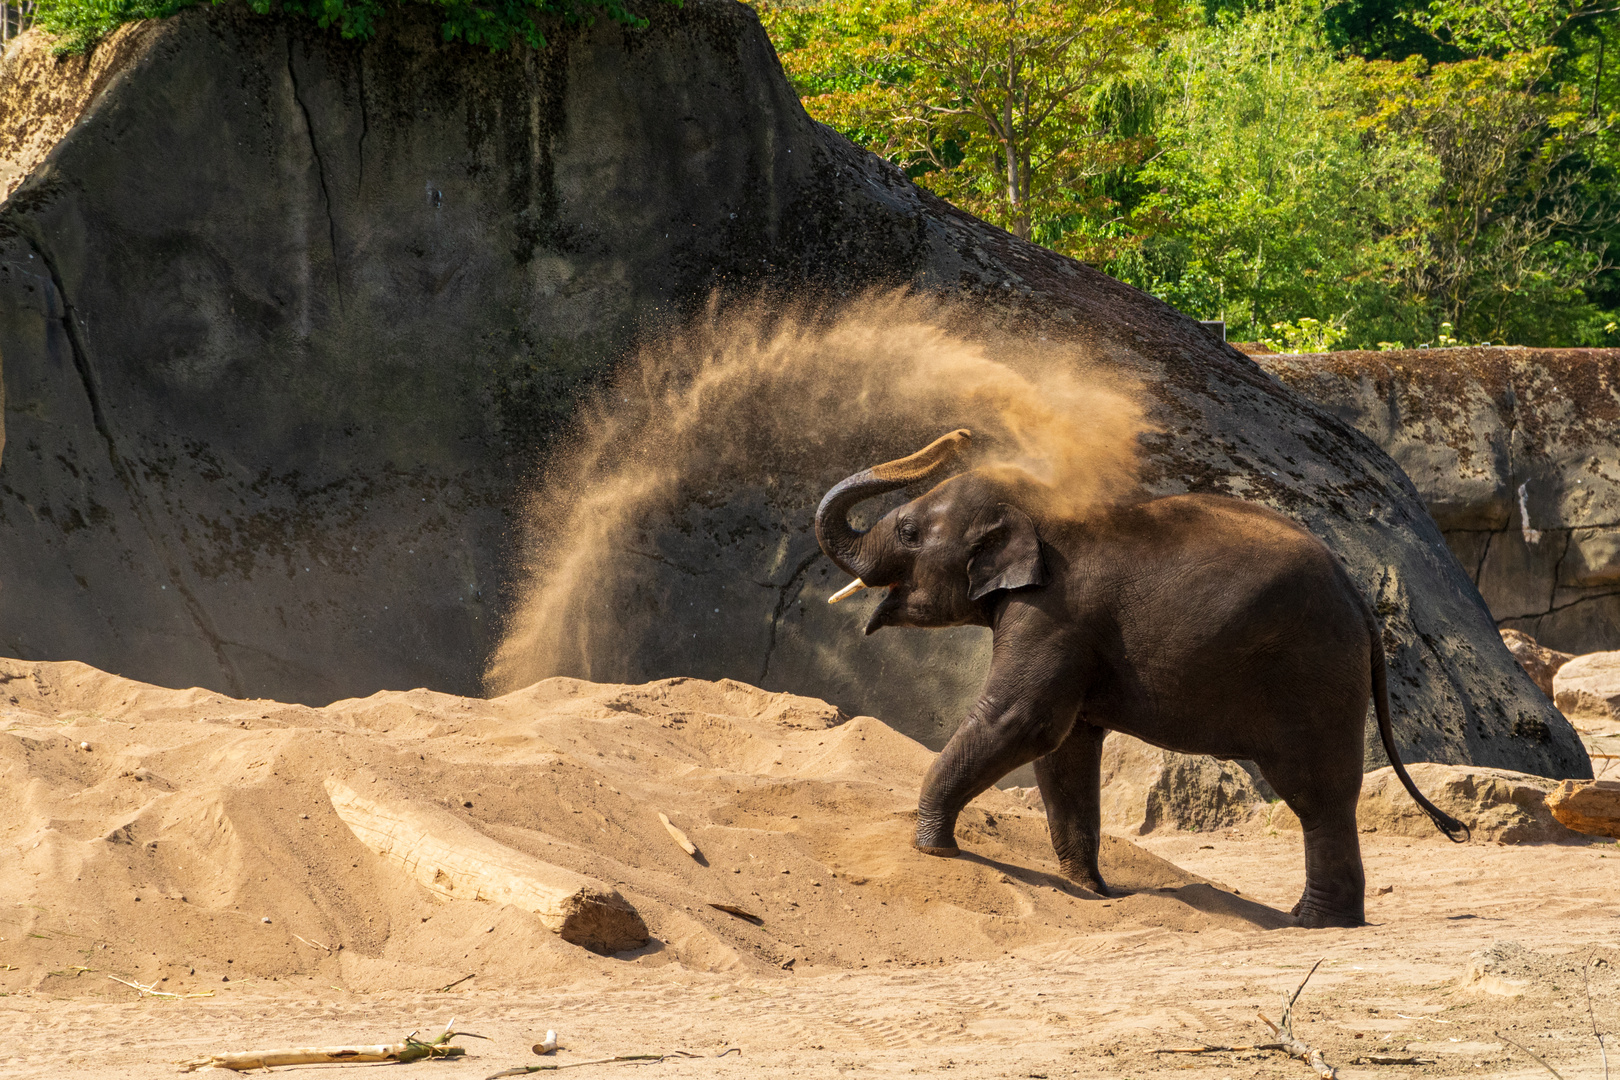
pixel 983 966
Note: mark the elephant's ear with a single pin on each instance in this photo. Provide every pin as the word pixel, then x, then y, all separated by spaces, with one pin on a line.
pixel 1006 552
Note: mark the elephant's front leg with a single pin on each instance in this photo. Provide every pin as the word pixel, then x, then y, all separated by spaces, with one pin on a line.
pixel 1020 718
pixel 1070 780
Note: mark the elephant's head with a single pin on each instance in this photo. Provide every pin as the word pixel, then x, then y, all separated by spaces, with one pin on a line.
pixel 942 555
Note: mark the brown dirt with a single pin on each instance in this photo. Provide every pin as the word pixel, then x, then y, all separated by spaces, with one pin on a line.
pixel 155 855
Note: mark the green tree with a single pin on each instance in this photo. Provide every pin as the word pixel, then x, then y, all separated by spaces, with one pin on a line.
pixel 1269 202
pixel 1004 107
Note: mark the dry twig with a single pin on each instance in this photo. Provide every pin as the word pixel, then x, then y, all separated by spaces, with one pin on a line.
pixel 155 992
pixel 1531 1052
pixel 1586 983
pixel 1287 1042
pixel 458 982
pixel 622 1059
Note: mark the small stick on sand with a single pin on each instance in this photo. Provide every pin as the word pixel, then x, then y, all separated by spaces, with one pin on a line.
pixel 154 992
pixel 733 909
pixel 312 944
pixel 458 982
pixel 680 837
pixel 1531 1052
pixel 1393 1059
pixel 1287 1042
pixel 1596 1034
pixel 524 1070
pixel 548 1045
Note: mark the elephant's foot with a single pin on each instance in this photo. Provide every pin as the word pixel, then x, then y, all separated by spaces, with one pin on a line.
pixel 936 836
pixel 1320 917
pixel 1090 880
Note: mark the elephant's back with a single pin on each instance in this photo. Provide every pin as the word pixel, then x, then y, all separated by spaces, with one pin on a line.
pixel 1235 607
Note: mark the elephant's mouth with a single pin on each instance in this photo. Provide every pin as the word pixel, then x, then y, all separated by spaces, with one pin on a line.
pixel 884 614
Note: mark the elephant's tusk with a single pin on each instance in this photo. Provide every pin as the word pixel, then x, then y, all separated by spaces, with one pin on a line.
pixel 848 590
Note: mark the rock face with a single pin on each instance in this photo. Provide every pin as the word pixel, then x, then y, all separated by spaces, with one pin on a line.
pixel 1587 688
pixel 1146 788
pixel 1516 453
pixel 286 322
pixel 1539 662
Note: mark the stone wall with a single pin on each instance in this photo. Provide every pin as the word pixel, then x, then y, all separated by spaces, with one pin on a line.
pixel 1516 453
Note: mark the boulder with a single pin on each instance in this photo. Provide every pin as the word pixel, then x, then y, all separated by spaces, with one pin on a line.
pixel 1538 661
pixel 1587 688
pixel 1496 804
pixel 1145 788
pixel 290 323
pixel 1592 806
pixel 1516 454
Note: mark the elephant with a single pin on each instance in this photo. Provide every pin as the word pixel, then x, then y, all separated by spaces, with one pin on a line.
pixel 1198 623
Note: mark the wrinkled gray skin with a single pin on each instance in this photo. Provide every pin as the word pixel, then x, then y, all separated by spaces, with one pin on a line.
pixel 1201 624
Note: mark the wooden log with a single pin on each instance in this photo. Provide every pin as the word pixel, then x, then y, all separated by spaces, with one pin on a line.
pixel 241 1061
pixel 456 861
pixel 1587 806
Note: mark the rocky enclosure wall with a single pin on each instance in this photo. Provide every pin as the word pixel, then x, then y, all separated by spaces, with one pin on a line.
pixel 286 323
pixel 1471 427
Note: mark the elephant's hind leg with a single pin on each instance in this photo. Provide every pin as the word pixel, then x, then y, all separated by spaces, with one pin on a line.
pixel 1335 885
pixel 1069 778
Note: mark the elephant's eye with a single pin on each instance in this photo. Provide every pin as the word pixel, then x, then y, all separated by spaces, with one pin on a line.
pixel 908 532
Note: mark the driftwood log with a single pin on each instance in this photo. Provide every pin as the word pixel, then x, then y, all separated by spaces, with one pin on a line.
pixel 456 861
pixel 412 1049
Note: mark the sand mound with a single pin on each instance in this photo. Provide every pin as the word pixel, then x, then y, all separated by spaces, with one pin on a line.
pixel 194 840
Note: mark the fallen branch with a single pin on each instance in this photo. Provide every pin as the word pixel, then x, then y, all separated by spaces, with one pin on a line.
pixel 622 1059
pixel 412 1049
pixel 1287 1042
pixel 548 1045
pixel 1531 1052
pixel 155 992
pixel 1393 1059
pixel 1291 1044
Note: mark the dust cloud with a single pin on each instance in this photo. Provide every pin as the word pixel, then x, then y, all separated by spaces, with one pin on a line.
pixel 782 404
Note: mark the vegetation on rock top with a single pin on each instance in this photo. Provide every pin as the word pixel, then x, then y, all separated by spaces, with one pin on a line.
pixel 497 24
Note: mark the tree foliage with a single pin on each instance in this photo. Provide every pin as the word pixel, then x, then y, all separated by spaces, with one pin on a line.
pixel 1365 172
pixel 1006 107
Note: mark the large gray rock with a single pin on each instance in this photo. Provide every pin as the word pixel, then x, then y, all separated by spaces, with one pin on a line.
pixel 287 321
pixel 1476 427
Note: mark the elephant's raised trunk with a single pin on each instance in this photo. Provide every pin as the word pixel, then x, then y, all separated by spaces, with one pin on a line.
pixel 837 538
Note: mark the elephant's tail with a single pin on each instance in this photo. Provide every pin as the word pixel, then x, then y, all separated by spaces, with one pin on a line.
pixel 1455 830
